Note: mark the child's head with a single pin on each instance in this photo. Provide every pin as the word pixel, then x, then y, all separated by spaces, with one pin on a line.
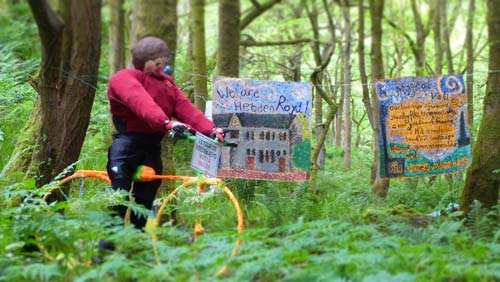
pixel 150 54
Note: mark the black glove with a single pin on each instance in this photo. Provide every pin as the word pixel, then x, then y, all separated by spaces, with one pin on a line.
pixel 177 127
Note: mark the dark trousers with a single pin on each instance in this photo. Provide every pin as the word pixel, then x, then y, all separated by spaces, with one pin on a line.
pixel 129 151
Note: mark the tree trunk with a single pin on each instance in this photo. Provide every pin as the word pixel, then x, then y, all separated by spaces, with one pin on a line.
pixel 379 186
pixel 318 121
pixel 198 53
pixel 322 61
pixel 483 176
pixel 159 18
pixel 66 86
pixel 438 58
pixel 347 88
pixel 116 36
pixel 340 111
pixel 335 93
pixel 362 65
pixel 229 38
pixel 446 35
pixel 422 32
pixel 399 46
pixel 469 45
pixel 318 101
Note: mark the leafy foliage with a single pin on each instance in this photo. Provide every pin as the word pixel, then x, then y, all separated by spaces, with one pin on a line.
pixel 17 97
pixel 291 235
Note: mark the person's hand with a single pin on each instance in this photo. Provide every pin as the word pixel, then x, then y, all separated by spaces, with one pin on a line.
pixel 178 127
pixel 218 134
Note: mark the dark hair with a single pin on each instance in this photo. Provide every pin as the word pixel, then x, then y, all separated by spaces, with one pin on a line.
pixel 148 48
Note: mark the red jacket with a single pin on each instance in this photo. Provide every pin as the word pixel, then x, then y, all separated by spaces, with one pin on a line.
pixel 144 102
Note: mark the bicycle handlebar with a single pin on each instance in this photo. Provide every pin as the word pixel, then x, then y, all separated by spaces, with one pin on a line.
pixel 188 136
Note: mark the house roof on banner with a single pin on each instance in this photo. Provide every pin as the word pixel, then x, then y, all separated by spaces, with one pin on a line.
pixel 279 121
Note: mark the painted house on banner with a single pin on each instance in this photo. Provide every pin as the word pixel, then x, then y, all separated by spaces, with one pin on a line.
pixel 265 142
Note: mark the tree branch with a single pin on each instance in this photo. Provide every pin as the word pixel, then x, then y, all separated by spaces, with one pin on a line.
pixel 254 43
pixel 404 34
pixel 47 20
pixel 315 79
pixel 255 3
pixel 256 11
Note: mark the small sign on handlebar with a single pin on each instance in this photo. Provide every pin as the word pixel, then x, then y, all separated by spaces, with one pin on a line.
pixel 206 155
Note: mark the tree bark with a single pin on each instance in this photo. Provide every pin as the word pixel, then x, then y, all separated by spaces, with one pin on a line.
pixel 399 46
pixel 362 64
pixel 317 80
pixel 199 53
pixel 347 88
pixel 438 49
pixel 469 45
pixel 379 186
pixel 422 32
pixel 229 38
pixel 71 42
pixel 339 115
pixel 446 35
pixel 116 36
pixel 483 176
pixel 312 13
pixel 157 18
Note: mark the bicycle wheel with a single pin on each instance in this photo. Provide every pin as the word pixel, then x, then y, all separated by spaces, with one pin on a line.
pixel 201 205
pixel 79 187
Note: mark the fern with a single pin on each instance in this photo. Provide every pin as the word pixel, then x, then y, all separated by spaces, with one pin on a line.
pixel 477 222
pixel 43 272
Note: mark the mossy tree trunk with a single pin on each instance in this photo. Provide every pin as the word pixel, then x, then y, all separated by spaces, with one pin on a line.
pixel 323 93
pixel 347 87
pixel 319 127
pixel 157 18
pixel 198 55
pixel 445 32
pixel 422 31
pixel 362 65
pixel 116 36
pixel 71 42
pixel 379 186
pixel 228 38
pixel 483 176
pixel 469 45
pixel 436 29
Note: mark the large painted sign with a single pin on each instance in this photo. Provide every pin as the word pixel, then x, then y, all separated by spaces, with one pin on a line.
pixel 270 121
pixel 423 126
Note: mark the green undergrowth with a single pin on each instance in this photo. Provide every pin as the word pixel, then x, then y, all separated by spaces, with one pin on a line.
pixel 16 66
pixel 339 233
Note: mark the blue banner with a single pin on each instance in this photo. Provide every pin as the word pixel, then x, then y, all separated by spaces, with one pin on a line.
pixel 423 126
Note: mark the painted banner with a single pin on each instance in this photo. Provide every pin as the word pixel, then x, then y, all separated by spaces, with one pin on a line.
pixel 271 123
pixel 423 126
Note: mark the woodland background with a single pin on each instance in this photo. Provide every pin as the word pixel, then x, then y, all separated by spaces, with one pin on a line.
pixel 346 224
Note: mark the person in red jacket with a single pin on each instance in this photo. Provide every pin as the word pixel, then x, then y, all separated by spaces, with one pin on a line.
pixel 145 104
